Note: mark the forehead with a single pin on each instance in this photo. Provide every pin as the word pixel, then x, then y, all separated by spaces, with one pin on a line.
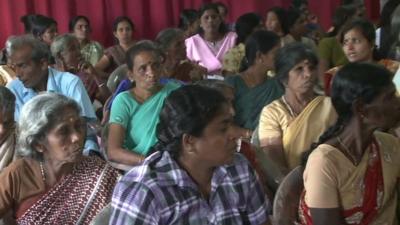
pixel 354 32
pixel 209 12
pixel 143 57
pixel 69 114
pixel 123 23
pixel 222 116
pixel 23 53
pixel 81 22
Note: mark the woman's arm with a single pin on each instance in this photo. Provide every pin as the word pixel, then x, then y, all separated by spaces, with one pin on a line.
pixel 327 216
pixel 115 151
pixel 101 66
pixel 275 159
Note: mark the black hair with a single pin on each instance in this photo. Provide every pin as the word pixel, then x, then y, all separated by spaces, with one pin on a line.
pixel 212 6
pixel 187 110
pixel 366 28
pixel 292 15
pixel 245 25
pixel 342 15
pixel 389 31
pixel 75 20
pixel 261 41
pixel 281 15
pixel 37 24
pixel 289 56
pixel 141 46
pixel 7 100
pixel 187 17
pixel 354 81
pixel 220 4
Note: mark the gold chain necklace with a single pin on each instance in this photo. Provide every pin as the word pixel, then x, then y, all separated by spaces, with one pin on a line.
pixel 291 111
pixel 42 172
pixel 344 147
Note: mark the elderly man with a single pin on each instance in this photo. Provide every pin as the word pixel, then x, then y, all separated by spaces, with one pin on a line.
pixel 29 58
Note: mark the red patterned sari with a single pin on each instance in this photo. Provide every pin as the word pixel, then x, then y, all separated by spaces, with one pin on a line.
pixel 77 198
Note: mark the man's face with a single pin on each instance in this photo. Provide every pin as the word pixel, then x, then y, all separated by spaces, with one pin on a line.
pixel 29 72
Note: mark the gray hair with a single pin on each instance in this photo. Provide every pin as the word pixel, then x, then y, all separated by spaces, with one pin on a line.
pixel 38 116
pixel 40 50
pixel 167 36
pixel 60 43
pixel 7 100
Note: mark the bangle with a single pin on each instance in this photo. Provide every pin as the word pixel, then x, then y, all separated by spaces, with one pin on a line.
pixel 101 85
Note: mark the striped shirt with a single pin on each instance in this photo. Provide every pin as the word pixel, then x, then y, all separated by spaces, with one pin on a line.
pixel 160 192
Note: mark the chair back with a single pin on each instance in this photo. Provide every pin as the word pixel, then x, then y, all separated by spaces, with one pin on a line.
pixel 103 218
pixel 287 198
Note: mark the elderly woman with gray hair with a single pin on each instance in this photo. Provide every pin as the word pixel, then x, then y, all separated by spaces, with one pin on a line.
pixel 289 125
pixel 171 42
pixel 68 58
pixel 53 183
pixel 7 127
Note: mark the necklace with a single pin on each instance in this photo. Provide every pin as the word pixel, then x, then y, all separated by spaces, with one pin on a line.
pixel 288 107
pixel 344 147
pixel 42 172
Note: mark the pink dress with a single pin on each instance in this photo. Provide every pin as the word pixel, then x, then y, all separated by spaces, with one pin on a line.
pixel 209 55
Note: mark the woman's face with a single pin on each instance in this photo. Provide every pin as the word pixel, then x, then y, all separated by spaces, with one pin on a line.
pixel 302 77
pixel 299 27
pixel 384 111
pixel 6 124
pixel 356 47
pixel 71 56
pixel 146 70
pixel 64 140
pixel 177 49
pixel 49 34
pixel 210 21
pixel 217 144
pixel 272 22
pixel 124 32
pixel 82 30
pixel 193 28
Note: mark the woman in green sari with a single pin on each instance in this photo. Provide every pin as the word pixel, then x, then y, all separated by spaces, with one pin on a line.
pixel 253 88
pixel 134 113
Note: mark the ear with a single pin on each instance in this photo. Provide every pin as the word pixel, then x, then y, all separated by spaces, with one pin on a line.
pixel 259 56
pixel 38 146
pixel 358 108
pixel 44 64
pixel 188 143
pixel 130 75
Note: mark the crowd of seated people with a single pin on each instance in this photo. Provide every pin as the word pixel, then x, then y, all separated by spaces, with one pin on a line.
pixel 205 123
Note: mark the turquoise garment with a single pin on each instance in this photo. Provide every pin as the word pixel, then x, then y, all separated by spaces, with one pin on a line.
pixel 250 101
pixel 139 120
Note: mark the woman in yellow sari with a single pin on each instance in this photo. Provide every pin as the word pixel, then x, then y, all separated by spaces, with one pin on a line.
pixel 358 43
pixel 289 125
pixel 351 174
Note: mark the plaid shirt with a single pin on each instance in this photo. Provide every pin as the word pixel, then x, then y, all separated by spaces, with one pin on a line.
pixel 161 192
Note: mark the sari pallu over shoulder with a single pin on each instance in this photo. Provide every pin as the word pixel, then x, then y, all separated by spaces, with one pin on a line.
pixel 306 128
pixel 77 198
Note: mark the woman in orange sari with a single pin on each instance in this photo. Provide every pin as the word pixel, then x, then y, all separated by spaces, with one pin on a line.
pixel 351 174
pixel 358 43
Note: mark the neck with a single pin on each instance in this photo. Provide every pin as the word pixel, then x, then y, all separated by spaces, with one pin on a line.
pixel 356 137
pixel 169 65
pixel 296 36
pixel 199 172
pixel 42 85
pixel 298 101
pixel 212 36
pixel 126 45
pixel 83 42
pixel 143 94
pixel 255 76
pixel 54 171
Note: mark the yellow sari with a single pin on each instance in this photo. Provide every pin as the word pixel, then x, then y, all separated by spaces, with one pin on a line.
pixel 306 128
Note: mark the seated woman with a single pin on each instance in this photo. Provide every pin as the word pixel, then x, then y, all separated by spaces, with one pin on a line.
pixel 245 25
pixel 351 175
pixel 358 43
pixel 53 183
pixel 91 50
pixel 289 125
pixel 68 58
pixel 253 88
pixel 210 44
pixel 171 42
pixel 134 113
pixel 189 22
pixel 7 127
pixel 274 21
pixel 41 27
pixel 195 175
pixel 114 56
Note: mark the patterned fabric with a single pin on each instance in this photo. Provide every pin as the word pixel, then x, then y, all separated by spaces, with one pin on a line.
pixel 89 83
pixel 92 52
pixel 76 199
pixel 116 55
pixel 233 59
pixel 161 192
